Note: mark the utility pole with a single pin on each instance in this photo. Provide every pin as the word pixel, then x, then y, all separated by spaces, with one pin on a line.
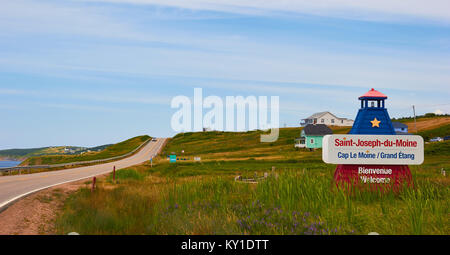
pixel 415 122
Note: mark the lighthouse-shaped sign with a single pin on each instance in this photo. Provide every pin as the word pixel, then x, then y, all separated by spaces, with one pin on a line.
pixel 372 153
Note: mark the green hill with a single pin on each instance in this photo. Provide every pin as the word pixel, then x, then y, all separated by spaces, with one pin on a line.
pixel 441 131
pixel 118 149
pixel 19 153
pixel 246 145
pixel 421 117
pixel 240 145
pixel 22 154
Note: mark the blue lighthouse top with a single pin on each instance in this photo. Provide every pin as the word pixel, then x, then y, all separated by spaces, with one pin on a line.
pixel 373 118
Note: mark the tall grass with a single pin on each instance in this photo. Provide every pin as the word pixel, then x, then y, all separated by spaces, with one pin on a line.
pixel 291 202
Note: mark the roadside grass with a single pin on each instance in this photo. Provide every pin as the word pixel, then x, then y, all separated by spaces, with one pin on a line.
pixel 230 168
pixel 127 174
pixel 438 148
pixel 205 201
pixel 118 149
pixel 42 170
pixel 298 198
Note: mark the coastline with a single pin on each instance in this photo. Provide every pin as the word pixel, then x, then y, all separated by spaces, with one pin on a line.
pixel 2 158
pixel 9 162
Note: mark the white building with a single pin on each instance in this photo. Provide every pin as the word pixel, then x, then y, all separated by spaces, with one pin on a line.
pixel 326 118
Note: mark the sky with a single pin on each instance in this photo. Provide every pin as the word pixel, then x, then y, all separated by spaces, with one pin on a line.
pixel 92 72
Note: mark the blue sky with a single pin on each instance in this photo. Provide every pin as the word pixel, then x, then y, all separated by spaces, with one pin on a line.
pixel 94 72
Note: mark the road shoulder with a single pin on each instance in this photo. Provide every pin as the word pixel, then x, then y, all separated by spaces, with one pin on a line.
pixel 36 213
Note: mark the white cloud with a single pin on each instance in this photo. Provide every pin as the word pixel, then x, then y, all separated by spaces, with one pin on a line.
pixel 436 10
pixel 290 65
pixel 238 59
pixel 63 18
pixel 439 112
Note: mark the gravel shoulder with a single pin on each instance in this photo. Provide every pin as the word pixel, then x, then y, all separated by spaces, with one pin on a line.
pixel 36 214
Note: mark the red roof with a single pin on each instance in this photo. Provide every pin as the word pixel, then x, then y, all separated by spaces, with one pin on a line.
pixel 373 94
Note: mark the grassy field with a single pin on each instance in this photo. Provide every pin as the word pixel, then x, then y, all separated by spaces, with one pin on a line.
pixel 429 126
pixel 426 117
pixel 111 151
pixel 298 197
pixel 239 146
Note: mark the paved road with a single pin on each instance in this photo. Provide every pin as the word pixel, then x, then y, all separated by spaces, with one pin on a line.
pixel 15 187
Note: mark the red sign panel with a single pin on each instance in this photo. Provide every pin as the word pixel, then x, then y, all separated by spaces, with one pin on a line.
pixel 375 176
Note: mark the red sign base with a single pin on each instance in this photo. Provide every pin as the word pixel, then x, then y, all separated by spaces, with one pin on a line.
pixel 376 177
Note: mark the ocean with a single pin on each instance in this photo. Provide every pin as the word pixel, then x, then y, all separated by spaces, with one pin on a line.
pixel 9 163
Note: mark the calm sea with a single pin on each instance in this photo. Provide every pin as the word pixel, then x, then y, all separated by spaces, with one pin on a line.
pixel 9 163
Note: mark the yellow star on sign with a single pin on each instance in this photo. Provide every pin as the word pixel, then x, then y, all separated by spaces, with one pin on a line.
pixel 375 123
